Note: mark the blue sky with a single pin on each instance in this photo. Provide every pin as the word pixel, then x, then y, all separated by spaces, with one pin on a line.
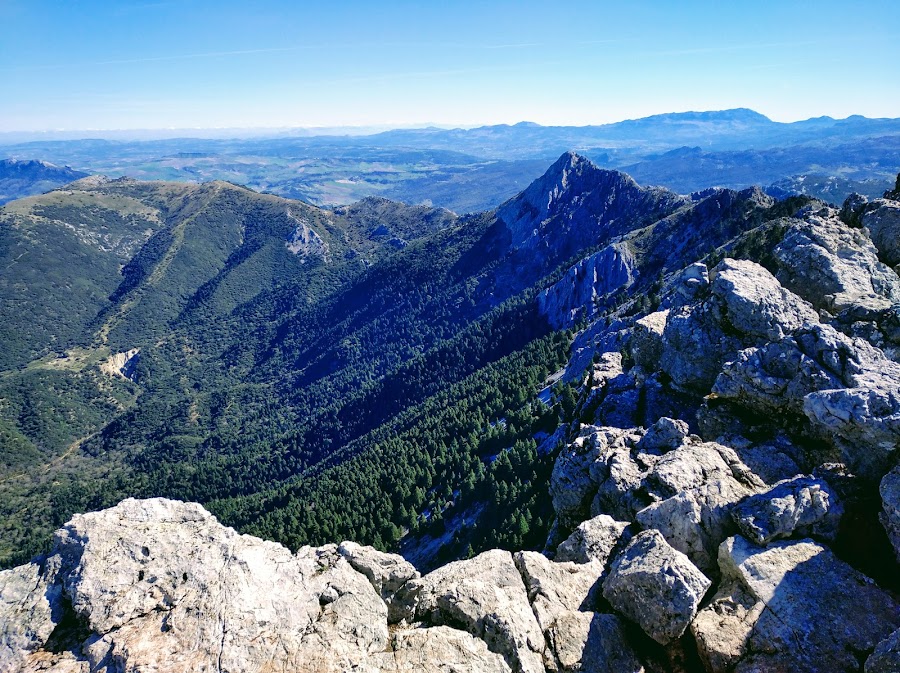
pixel 199 64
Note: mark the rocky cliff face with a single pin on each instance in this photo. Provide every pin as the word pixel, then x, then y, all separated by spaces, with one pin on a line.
pixel 727 499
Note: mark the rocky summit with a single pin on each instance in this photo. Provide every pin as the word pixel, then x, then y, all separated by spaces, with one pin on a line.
pixel 724 483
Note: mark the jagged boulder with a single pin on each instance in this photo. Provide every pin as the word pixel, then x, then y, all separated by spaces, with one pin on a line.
pixel 386 572
pixel 438 649
pixel 834 266
pixel 746 305
pixel 890 499
pixel 590 642
pixel 572 484
pixel 30 609
pixel 557 587
pixel 799 506
pixel 647 340
pixel 593 540
pixel 563 597
pixel 755 302
pixel 664 435
pixel 161 585
pixel 886 657
pixel 685 492
pixel 655 586
pixel 487 597
pixel 694 487
pixel 845 387
pixel 692 281
pixel 694 345
pixel 791 606
pixel 882 219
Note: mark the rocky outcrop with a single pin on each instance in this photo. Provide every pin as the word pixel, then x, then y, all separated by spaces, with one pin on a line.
pixel 487 597
pixel 161 585
pixel 387 573
pixel 745 305
pixel 655 586
pixel 799 506
pixel 882 219
pixel 577 294
pixel 661 479
pixel 122 364
pixel 593 540
pixel 762 619
pixel 304 242
pixel 833 266
pixel 890 515
pixel 886 657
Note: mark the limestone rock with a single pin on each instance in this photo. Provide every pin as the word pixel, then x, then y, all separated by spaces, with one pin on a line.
pixel 386 572
pixel 746 305
pixel 692 281
pixel 890 516
pixel 438 649
pixel 882 219
pixel 845 387
pixel 161 584
pixel 557 587
pixel 655 586
pixel 755 302
pixel 589 642
pixel 863 422
pixel 647 340
pixel 695 486
pixel 664 435
pixel 694 345
pixel 487 597
pixel 27 606
pixel 762 617
pixel 799 506
pixel 833 266
pixel 886 657
pixel 574 296
pixel 573 483
pixel 593 540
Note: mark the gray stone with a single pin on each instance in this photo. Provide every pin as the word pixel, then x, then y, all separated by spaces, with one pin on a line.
pixel 886 657
pixel 589 642
pixel 486 596
pixel 799 506
pixel 791 606
pixel 755 302
pixel 882 219
pixel 694 345
pixel 163 586
pixel 890 499
pixel 647 340
pixel 29 611
pixel 833 266
pixel 655 586
pixel 574 296
pixel 386 572
pixel 664 435
pixel 438 649
pixel 593 540
pixel 692 281
pixel 557 587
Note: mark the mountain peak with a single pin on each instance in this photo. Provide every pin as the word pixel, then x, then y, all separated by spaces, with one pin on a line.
pixel 576 204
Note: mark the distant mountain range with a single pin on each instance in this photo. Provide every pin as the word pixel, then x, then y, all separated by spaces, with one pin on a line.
pixel 468 170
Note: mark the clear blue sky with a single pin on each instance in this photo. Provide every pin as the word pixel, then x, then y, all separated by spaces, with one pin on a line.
pixel 196 63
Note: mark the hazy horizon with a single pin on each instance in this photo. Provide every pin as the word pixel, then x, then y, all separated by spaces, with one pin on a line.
pixel 198 64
